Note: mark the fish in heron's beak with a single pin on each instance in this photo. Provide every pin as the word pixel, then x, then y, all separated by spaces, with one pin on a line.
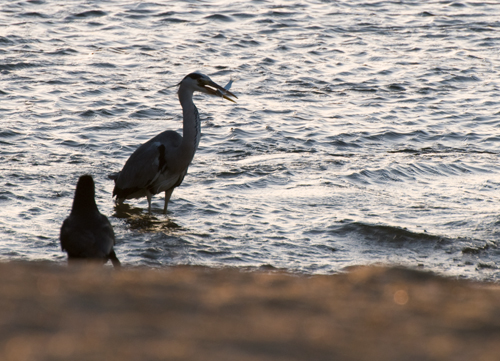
pixel 215 89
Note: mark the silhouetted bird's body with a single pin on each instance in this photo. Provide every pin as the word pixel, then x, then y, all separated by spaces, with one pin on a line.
pixel 86 233
pixel 160 164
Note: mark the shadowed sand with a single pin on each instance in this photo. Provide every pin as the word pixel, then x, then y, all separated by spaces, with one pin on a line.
pixel 52 312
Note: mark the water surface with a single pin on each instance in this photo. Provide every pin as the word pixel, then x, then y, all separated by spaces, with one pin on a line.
pixel 365 131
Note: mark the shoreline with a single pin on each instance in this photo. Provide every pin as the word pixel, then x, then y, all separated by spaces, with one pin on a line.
pixel 88 312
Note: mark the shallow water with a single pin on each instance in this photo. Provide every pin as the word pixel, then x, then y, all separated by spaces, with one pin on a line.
pixel 364 131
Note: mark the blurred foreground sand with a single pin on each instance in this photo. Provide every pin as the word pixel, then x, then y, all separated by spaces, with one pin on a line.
pixel 52 312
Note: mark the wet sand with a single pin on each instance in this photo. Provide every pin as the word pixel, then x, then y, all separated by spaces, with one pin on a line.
pixel 53 312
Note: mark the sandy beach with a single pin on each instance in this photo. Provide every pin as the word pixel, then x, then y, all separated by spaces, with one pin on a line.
pixel 54 312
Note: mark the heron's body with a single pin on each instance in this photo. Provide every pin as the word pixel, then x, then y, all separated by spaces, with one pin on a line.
pixel 86 233
pixel 160 164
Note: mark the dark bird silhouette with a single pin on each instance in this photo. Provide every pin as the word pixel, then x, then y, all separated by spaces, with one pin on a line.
pixel 86 233
pixel 160 164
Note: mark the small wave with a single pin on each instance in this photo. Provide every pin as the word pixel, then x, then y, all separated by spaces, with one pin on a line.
pixel 98 112
pixel 6 195
pixel 88 114
pixel 461 79
pixel 8 133
pixel 396 87
pixel 137 16
pixel 139 13
pixel 373 176
pixel 441 151
pixel 89 14
pixel 268 61
pixel 364 89
pixel 110 126
pixel 213 253
pixel 33 15
pixel 244 15
pixel 427 90
pixel 4 40
pixel 475 249
pixel 71 143
pixel 247 43
pixel 280 13
pixel 457 5
pixel 384 233
pixel 168 18
pixel 219 17
pixel 103 65
pixel 232 173
pixel 65 51
pixel 17 66
pixel 166 13
pixel 148 113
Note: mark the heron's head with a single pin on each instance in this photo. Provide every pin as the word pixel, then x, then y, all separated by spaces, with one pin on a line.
pixel 202 83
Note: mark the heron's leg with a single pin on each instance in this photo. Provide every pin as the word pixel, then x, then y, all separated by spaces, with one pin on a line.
pixel 149 203
pixel 168 194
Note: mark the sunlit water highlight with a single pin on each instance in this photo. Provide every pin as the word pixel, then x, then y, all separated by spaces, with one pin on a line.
pixel 364 131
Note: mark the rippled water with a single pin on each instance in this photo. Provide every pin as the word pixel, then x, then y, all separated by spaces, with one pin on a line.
pixel 365 131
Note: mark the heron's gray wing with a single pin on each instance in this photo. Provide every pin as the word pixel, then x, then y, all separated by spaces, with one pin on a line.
pixel 146 164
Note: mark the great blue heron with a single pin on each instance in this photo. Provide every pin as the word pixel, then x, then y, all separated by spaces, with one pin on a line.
pixel 86 233
pixel 160 164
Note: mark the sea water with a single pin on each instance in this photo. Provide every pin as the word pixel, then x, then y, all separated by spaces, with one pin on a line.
pixel 364 132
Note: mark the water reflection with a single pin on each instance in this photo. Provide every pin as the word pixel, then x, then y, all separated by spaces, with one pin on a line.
pixel 138 220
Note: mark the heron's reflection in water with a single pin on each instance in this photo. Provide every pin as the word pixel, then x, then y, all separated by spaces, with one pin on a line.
pixel 136 219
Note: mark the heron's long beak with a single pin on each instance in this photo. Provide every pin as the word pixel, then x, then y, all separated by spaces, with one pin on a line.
pixel 217 90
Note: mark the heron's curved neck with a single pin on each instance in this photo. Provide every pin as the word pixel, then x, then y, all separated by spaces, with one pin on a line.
pixel 191 122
